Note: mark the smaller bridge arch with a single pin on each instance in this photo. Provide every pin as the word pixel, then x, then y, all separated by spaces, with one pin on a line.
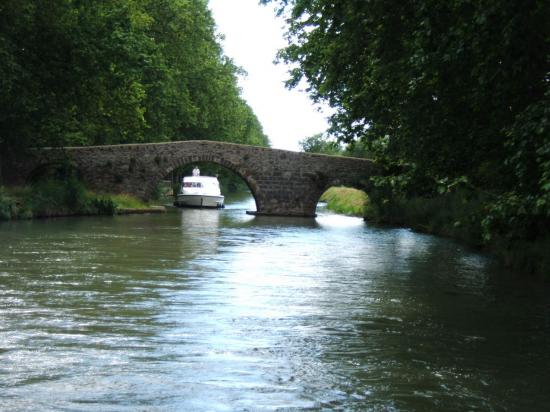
pixel 283 182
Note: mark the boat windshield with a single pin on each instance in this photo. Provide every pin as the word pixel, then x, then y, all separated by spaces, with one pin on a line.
pixel 192 184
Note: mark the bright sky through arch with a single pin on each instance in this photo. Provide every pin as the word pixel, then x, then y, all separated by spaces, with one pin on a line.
pixel 253 35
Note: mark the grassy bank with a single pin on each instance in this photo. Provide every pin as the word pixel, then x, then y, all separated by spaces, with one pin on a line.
pixel 346 200
pixel 126 201
pixel 54 198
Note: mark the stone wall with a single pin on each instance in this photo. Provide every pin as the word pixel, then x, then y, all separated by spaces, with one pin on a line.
pixel 282 182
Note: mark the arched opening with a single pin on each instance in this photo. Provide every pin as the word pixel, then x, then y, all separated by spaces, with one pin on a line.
pixel 238 191
pixel 347 199
pixel 58 170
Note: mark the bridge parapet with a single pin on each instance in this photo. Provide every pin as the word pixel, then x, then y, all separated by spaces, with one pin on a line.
pixel 282 182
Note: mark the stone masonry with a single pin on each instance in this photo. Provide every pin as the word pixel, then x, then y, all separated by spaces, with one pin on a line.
pixel 282 182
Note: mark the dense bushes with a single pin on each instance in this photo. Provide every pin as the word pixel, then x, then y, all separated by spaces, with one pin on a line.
pixel 507 230
pixel 50 198
pixel 109 72
pixel 457 214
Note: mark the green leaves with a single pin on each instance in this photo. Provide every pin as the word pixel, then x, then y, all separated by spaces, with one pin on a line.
pixel 441 79
pixel 320 143
pixel 122 71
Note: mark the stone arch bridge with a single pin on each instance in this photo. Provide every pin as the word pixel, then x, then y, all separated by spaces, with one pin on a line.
pixel 282 182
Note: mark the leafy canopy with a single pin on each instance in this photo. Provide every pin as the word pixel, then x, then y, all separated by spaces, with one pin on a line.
pixel 82 72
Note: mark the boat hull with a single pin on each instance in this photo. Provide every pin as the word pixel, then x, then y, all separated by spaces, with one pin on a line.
pixel 209 201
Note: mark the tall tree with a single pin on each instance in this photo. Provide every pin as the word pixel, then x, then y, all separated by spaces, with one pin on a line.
pixel 443 83
pixel 82 72
pixel 319 143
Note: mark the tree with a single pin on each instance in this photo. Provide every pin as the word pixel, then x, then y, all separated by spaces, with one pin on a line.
pixel 121 71
pixel 319 143
pixel 442 82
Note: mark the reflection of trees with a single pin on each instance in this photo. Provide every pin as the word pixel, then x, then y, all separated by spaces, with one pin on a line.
pixel 96 275
pixel 436 314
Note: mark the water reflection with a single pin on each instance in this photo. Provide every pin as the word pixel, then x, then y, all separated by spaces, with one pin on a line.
pixel 219 310
pixel 199 232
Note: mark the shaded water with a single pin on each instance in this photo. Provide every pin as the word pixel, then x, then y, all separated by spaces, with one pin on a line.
pixel 206 310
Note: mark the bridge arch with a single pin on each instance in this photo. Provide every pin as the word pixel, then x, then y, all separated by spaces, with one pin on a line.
pixel 357 183
pixel 325 181
pixel 239 170
pixel 45 170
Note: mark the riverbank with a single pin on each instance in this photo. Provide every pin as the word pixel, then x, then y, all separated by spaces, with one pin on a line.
pixel 53 198
pixel 459 215
pixel 462 215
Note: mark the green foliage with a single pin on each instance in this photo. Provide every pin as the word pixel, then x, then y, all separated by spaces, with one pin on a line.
pixel 104 205
pixel 126 201
pixel 346 200
pixel 50 197
pixel 528 156
pixel 457 213
pixel 123 71
pixel 47 198
pixel 324 144
pixel 357 148
pixel 514 218
pixel 439 82
pixel 319 143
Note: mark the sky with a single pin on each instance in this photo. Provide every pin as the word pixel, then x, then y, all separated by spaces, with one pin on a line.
pixel 253 35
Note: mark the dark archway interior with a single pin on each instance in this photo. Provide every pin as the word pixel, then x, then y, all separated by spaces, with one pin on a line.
pixel 60 170
pixel 231 183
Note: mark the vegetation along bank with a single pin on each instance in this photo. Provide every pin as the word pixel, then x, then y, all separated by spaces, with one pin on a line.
pixel 55 198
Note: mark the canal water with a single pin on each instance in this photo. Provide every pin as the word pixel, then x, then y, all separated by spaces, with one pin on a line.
pixel 206 310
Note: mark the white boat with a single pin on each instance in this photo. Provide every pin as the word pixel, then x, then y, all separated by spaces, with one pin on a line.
pixel 199 191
